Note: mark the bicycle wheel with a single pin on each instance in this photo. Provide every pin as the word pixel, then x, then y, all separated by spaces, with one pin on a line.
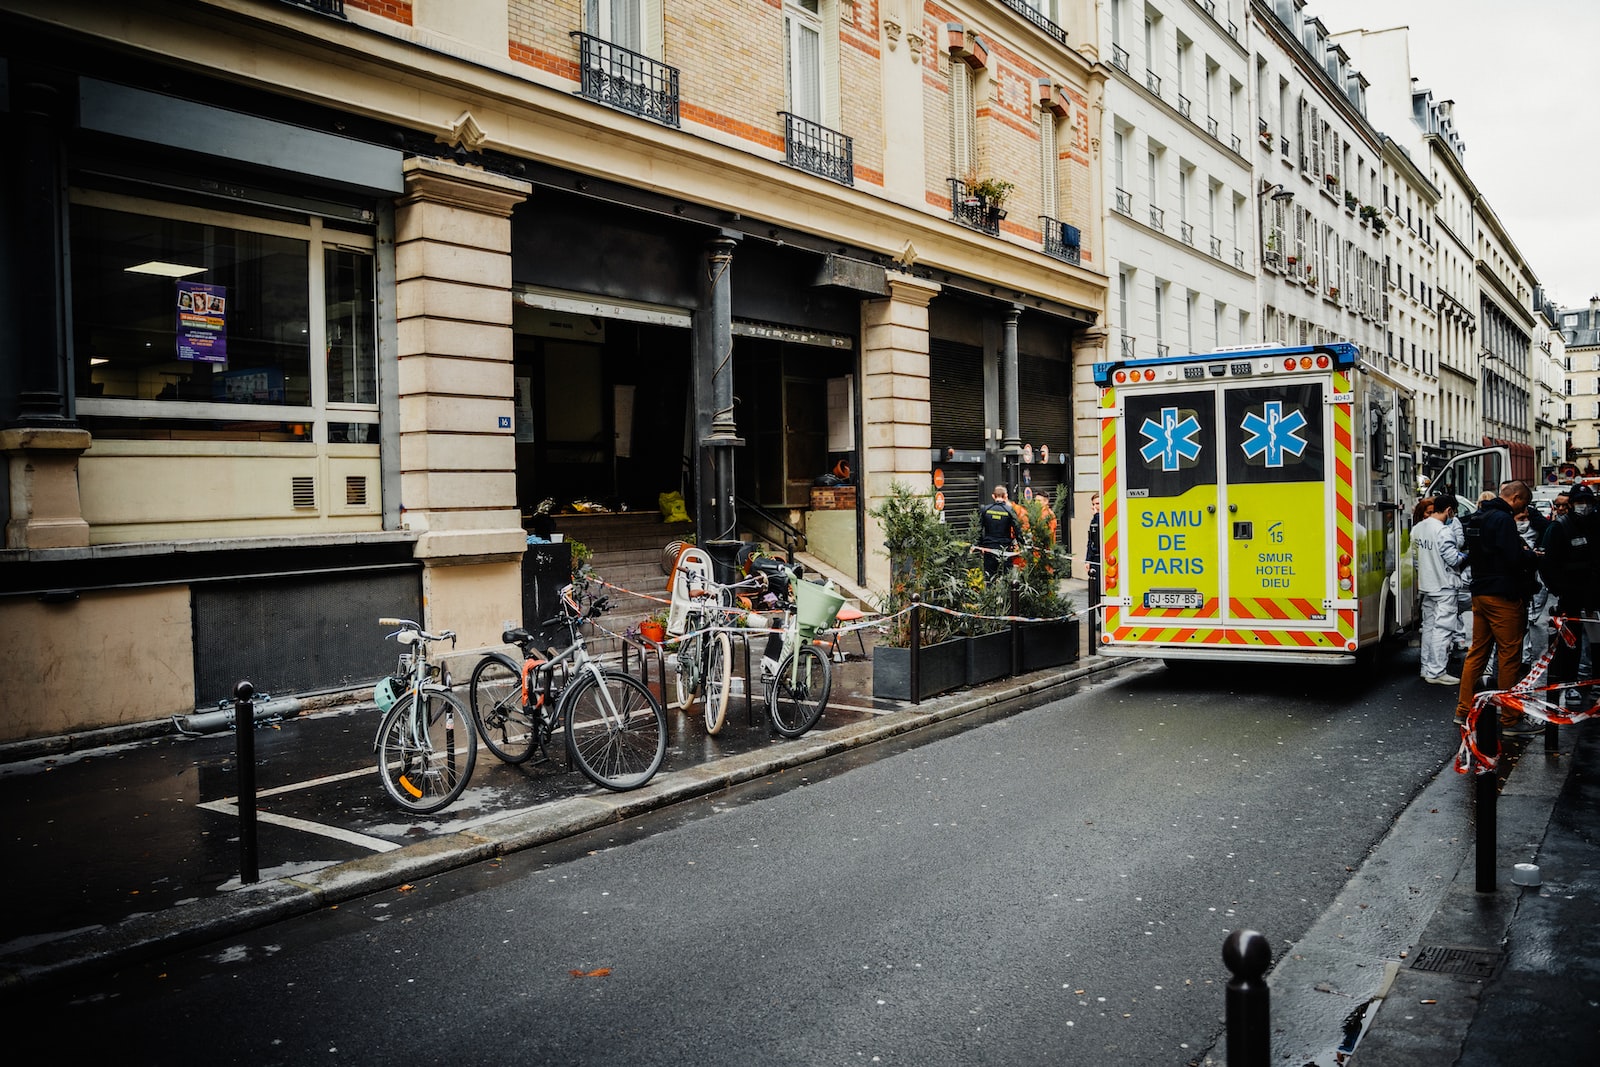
pixel 719 665
pixel 797 694
pixel 616 730
pixel 507 727
pixel 426 751
pixel 688 674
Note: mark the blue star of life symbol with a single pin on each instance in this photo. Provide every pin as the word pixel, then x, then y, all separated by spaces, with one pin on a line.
pixel 1170 439
pixel 1273 433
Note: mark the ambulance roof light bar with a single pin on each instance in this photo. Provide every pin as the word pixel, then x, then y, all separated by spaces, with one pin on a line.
pixel 1227 362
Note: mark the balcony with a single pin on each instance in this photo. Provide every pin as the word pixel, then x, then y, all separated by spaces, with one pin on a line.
pixel 1060 240
pixel 1184 108
pixel 1119 57
pixel 1238 258
pixel 1158 218
pixel 972 210
pixel 1233 143
pixel 815 149
pixel 1128 346
pixel 325 7
pixel 1152 81
pixel 1037 19
pixel 1163 351
pixel 1216 248
pixel 623 79
pixel 1186 233
pixel 1214 129
pixel 1124 203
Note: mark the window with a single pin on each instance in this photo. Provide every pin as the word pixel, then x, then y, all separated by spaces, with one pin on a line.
pixel 220 325
pixel 803 58
pixel 963 119
pixel 617 21
pixel 1048 164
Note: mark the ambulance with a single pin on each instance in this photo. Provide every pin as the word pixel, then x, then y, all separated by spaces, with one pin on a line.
pixel 1256 505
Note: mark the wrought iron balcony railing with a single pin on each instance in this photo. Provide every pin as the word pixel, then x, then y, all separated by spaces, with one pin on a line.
pixel 1214 128
pixel 626 80
pixel 1233 143
pixel 1037 19
pixel 969 209
pixel 1163 350
pixel 1152 81
pixel 1119 57
pixel 1158 218
pixel 326 7
pixel 1184 108
pixel 1128 346
pixel 1125 202
pixel 1186 232
pixel 1060 240
pixel 1216 248
pixel 1238 258
pixel 815 149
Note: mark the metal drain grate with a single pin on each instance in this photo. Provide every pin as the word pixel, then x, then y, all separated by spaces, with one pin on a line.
pixel 1470 962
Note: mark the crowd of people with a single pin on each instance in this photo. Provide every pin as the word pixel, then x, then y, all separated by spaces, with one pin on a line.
pixel 1492 588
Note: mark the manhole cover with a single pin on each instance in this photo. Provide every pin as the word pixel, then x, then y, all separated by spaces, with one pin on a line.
pixel 1442 959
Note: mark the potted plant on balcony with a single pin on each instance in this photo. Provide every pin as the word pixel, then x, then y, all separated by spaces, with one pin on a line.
pixel 1350 201
pixel 991 193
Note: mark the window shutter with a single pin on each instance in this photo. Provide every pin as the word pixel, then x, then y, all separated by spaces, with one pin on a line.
pixel 962 119
pixel 1048 162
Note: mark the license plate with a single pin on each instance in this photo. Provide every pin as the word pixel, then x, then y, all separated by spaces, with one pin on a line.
pixel 1173 598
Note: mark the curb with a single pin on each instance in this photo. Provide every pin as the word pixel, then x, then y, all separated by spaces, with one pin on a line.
pixel 140 937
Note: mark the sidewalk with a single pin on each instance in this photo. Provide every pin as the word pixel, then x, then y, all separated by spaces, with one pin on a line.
pixel 119 853
pixel 126 849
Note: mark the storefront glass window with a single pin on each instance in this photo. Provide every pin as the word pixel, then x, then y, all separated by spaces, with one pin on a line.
pixel 184 316
pixel 166 309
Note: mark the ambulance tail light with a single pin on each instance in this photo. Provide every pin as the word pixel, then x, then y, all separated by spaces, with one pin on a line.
pixel 1323 362
pixel 1122 376
pixel 1289 363
pixel 1305 363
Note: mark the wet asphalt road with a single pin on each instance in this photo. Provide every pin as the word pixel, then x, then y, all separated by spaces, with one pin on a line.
pixel 1052 887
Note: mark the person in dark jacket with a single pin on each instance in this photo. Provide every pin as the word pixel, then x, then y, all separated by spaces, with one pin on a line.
pixel 1570 568
pixel 1091 545
pixel 998 532
pixel 1504 568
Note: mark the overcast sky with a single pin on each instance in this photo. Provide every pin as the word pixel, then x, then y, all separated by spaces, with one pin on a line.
pixel 1526 86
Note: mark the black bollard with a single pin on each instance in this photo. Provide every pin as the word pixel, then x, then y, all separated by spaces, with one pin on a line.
pixel 914 653
pixel 1486 795
pixel 244 744
pixel 1094 612
pixel 1249 1006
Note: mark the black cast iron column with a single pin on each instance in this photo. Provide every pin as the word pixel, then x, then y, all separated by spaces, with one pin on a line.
pixel 1010 416
pixel 41 113
pixel 715 517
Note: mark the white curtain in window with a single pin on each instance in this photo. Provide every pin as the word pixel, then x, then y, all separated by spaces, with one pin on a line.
pixel 804 61
pixel 617 21
pixel 963 119
pixel 1047 162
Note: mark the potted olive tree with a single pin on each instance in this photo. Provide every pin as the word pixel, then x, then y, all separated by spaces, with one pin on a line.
pixel 925 561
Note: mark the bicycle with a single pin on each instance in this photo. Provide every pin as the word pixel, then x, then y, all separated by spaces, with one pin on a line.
pixel 426 743
pixel 705 655
pixel 615 729
pixel 798 687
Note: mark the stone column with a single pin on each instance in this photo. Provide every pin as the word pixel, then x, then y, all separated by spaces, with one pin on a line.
pixel 43 470
pixel 458 485
pixel 42 112
pixel 897 443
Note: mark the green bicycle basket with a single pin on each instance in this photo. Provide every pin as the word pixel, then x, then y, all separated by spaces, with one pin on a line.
pixel 817 606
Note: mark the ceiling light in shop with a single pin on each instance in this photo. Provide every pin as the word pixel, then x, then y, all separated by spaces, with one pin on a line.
pixel 165 270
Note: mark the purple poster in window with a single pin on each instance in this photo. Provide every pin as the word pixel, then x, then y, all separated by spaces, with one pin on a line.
pixel 202 322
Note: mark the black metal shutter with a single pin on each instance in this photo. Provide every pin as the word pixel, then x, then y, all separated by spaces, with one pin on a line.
pixel 955 395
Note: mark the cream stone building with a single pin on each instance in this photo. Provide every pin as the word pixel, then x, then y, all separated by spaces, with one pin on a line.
pixel 1319 172
pixel 308 305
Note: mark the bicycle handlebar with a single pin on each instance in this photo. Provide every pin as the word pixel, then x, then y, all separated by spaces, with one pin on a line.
pixel 411 624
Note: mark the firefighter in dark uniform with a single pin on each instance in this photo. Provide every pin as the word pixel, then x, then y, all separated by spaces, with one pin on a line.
pixel 998 531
